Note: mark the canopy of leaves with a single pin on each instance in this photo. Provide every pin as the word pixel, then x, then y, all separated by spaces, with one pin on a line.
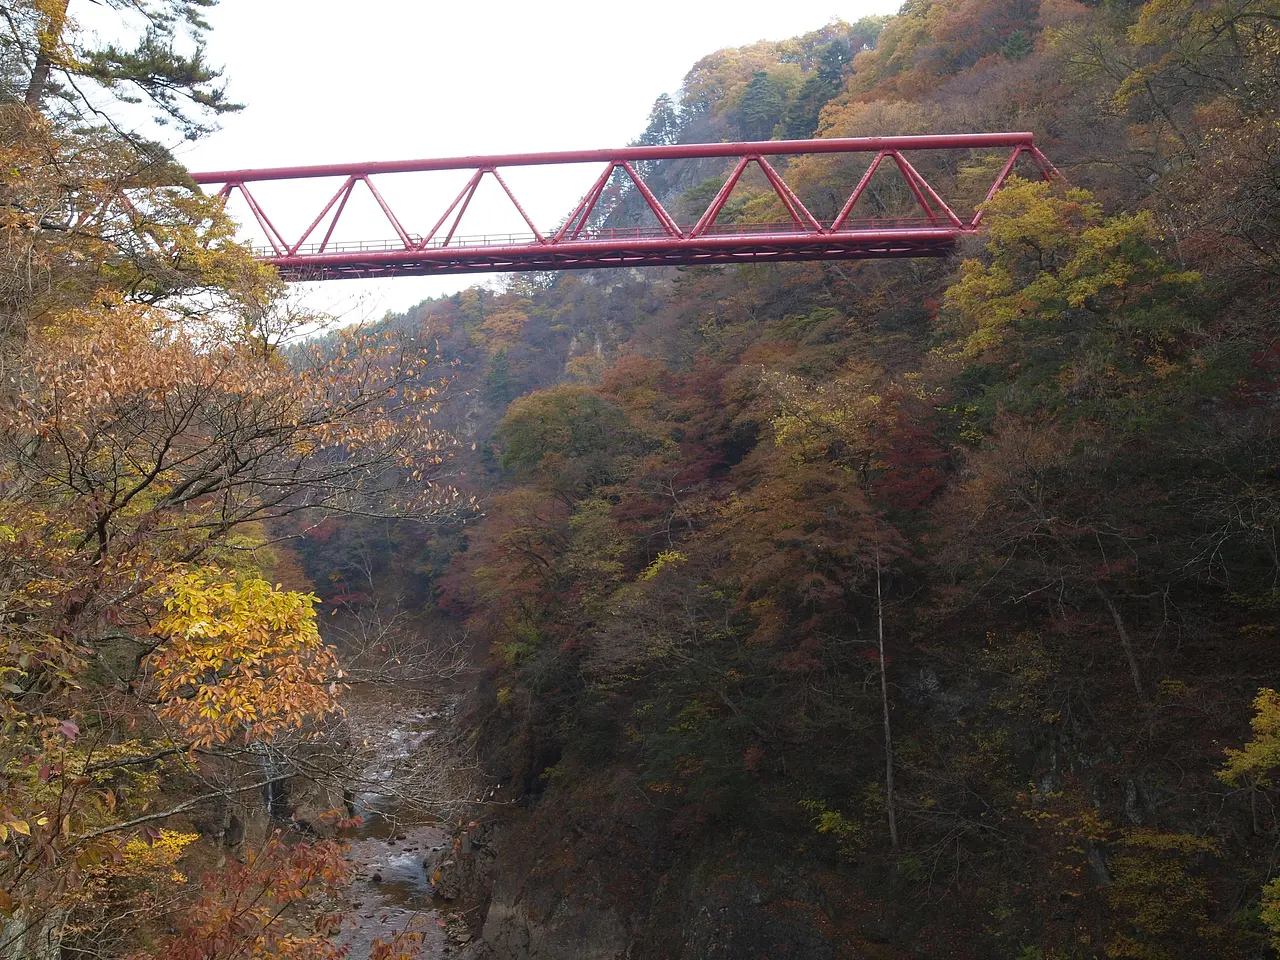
pixel 158 420
pixel 1057 449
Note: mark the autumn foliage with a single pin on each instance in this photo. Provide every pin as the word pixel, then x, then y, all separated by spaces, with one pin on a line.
pixel 1031 489
pixel 941 593
pixel 158 417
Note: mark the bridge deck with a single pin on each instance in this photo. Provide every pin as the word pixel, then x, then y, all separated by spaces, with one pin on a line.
pixel 615 247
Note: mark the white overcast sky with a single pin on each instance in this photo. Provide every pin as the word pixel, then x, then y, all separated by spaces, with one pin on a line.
pixel 348 80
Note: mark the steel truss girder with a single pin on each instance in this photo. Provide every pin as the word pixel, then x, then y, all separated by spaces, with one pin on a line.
pixel 577 245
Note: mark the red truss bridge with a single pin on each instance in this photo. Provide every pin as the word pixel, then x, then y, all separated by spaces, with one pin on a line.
pixel 580 242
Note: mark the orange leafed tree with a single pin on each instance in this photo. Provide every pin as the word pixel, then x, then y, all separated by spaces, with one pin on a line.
pixel 158 414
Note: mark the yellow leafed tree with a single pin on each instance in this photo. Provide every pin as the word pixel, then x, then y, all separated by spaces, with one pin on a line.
pixel 240 659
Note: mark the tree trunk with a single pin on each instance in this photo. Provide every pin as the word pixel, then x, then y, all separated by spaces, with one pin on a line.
pixel 31 936
pixel 890 804
pixel 49 39
pixel 1125 641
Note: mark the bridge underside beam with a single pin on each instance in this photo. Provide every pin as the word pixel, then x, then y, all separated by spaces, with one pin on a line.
pixel 589 256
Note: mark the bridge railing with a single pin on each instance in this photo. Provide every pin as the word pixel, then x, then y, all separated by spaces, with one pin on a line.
pixel 604 234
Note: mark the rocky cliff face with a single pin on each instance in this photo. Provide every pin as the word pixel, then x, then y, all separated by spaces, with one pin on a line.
pixel 550 885
pixel 569 881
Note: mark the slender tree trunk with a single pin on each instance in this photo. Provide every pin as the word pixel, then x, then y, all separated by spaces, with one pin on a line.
pixel 1126 642
pixel 31 936
pixel 890 804
pixel 49 39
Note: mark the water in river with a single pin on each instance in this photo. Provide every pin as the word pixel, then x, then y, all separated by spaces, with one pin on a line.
pixel 391 890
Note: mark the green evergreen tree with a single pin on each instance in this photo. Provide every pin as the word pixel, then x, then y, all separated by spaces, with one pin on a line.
pixel 1018 46
pixel 498 385
pixel 761 108
pixel 48 59
pixel 664 123
pixel 822 83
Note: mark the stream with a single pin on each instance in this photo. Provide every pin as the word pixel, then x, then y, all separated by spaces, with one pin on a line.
pixel 390 890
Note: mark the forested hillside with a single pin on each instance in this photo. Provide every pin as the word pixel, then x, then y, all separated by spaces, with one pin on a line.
pixel 900 609
pixel 878 610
